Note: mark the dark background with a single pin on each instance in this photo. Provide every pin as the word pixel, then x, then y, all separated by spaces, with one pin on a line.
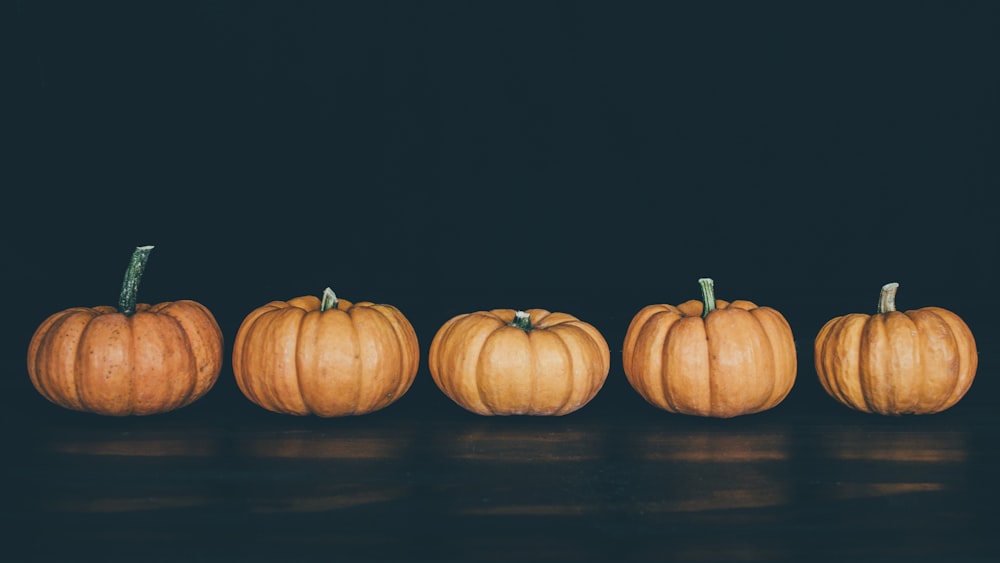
pixel 587 157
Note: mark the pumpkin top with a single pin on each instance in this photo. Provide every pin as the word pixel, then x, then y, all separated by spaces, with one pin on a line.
pixel 527 319
pixel 310 303
pixel 327 302
pixel 887 302
pixel 696 307
pixel 708 303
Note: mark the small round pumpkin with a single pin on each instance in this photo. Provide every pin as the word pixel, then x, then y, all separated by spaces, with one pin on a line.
pixel 327 357
pixel 894 362
pixel 136 359
pixel 710 358
pixel 507 362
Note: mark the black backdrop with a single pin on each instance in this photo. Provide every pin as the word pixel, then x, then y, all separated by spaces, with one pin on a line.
pixel 447 156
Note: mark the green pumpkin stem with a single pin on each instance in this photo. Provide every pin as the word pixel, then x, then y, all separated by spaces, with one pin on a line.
pixel 522 321
pixel 130 285
pixel 707 295
pixel 887 300
pixel 329 300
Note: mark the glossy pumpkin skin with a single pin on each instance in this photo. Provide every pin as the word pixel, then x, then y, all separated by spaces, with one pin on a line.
pixel 488 366
pixel 99 360
pixel 739 359
pixel 291 357
pixel 896 363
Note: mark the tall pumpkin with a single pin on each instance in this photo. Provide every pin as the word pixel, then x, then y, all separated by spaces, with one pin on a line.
pixel 895 363
pixel 327 357
pixel 507 362
pixel 136 359
pixel 711 357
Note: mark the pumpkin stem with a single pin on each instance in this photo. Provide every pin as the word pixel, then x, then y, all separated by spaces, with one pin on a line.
pixel 887 300
pixel 329 300
pixel 522 321
pixel 707 295
pixel 130 285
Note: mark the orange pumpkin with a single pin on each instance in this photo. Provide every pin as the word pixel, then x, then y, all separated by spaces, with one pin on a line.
pixel 136 359
pixel 711 357
pixel 896 363
pixel 327 357
pixel 507 362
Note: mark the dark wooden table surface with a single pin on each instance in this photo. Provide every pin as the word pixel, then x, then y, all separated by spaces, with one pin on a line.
pixel 223 480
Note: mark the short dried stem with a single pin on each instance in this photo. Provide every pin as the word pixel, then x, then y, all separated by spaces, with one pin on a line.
pixel 707 295
pixel 522 321
pixel 887 300
pixel 329 300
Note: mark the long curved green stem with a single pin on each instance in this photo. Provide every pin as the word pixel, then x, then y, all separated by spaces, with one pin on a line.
pixel 130 285
pixel 707 295
pixel 887 299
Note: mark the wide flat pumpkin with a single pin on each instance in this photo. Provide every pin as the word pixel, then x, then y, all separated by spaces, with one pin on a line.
pixel 508 362
pixel 327 357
